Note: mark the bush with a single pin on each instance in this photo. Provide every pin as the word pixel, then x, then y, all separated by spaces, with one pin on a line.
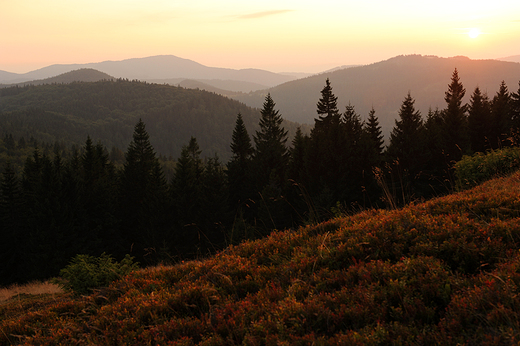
pixel 473 170
pixel 85 272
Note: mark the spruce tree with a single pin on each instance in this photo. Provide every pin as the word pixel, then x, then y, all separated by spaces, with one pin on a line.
pixel 187 196
pixel 12 246
pixel 98 196
pixel 270 155
pixel 270 162
pixel 327 108
pixel 408 150
pixel 455 123
pixel 143 193
pixel 501 116
pixel 326 149
pixel 297 170
pixel 406 135
pixel 479 121
pixel 374 131
pixel 239 166
pixel 215 203
pixel 515 112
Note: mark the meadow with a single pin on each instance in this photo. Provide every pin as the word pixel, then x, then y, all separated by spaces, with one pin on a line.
pixel 445 271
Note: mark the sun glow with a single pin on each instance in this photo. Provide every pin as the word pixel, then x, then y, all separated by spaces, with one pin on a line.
pixel 473 32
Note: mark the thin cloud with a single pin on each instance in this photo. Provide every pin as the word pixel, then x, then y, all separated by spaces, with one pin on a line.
pixel 263 14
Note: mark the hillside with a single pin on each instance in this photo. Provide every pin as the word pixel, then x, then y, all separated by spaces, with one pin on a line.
pixel 446 271
pixel 108 110
pixel 385 84
pixel 81 75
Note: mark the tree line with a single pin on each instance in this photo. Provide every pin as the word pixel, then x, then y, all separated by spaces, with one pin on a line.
pixel 84 203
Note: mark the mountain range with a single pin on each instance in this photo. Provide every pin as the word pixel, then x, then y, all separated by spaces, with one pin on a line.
pixel 160 69
pixel 384 86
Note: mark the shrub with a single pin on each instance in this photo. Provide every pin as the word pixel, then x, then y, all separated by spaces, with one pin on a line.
pixel 85 272
pixel 473 170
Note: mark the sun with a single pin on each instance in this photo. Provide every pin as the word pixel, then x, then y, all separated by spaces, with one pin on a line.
pixel 473 32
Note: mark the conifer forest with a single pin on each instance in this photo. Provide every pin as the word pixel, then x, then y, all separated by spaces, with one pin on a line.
pixel 58 200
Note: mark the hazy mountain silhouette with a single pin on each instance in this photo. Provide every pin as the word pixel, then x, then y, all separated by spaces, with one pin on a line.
pixel 385 84
pixel 153 68
pixel 81 75
pixel 512 58
pixel 224 87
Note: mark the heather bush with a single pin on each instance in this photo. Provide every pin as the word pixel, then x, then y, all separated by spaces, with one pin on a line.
pixel 87 272
pixel 473 170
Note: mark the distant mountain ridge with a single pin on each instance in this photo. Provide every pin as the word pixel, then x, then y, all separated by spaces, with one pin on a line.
pixel 81 75
pixel 155 68
pixel 512 58
pixel 384 85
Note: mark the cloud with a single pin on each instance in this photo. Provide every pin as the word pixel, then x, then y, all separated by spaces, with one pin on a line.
pixel 263 14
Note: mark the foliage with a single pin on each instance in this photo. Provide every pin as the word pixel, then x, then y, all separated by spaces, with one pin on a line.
pixel 85 272
pixel 446 271
pixel 475 169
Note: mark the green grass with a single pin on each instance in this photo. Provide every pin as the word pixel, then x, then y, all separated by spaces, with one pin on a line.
pixel 446 271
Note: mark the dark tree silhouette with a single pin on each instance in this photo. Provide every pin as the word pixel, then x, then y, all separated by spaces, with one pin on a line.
pixel 239 167
pixel 143 194
pixel 375 132
pixel 455 123
pixel 501 117
pixel 479 121
pixel 270 155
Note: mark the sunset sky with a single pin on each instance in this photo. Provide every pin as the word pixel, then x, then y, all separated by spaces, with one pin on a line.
pixel 280 36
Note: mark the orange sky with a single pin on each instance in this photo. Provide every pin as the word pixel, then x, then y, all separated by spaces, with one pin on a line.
pixel 283 35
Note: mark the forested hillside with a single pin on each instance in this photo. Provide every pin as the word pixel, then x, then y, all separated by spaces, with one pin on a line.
pixel 382 85
pixel 89 199
pixel 81 75
pixel 107 111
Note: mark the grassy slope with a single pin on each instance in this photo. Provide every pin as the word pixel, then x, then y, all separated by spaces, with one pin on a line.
pixel 445 271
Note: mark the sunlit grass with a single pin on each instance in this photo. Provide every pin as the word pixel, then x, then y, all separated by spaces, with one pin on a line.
pixel 32 288
pixel 446 271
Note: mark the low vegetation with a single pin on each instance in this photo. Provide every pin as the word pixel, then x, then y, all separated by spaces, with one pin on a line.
pixel 446 271
pixel 32 288
pixel 85 273
pixel 479 167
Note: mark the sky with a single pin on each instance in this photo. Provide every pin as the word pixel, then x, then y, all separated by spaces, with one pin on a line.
pixel 279 36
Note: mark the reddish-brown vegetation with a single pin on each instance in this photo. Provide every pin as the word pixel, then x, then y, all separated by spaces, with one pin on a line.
pixel 446 271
